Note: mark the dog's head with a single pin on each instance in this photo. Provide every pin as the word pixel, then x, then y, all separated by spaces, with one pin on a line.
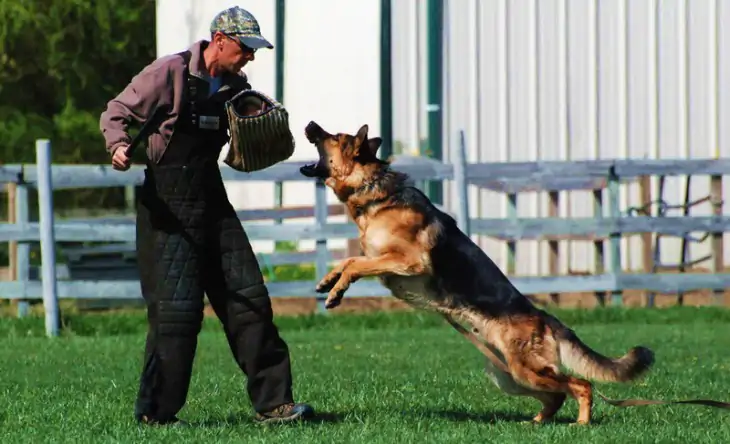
pixel 341 156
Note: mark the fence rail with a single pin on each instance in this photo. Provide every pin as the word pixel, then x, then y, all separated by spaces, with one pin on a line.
pixel 600 176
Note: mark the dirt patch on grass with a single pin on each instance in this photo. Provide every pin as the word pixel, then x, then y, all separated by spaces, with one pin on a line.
pixel 631 298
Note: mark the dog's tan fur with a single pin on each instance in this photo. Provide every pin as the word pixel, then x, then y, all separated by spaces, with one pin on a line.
pixel 401 234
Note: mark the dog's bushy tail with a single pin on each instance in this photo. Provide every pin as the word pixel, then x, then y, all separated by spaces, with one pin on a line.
pixel 583 360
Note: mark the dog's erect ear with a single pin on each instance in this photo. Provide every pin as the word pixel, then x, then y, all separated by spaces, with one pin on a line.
pixel 365 145
pixel 373 145
pixel 362 134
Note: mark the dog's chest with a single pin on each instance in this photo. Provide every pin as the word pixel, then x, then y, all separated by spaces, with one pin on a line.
pixel 415 290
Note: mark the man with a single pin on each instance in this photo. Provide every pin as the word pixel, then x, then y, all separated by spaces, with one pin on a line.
pixel 189 239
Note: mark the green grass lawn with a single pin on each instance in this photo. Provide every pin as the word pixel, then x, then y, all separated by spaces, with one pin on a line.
pixel 386 378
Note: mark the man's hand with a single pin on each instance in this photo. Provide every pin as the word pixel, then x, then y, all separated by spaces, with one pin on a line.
pixel 120 161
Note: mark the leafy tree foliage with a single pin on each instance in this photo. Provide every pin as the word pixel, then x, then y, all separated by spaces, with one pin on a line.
pixel 61 61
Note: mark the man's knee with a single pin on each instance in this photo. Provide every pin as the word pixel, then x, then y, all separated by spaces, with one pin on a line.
pixel 180 318
pixel 237 252
pixel 251 305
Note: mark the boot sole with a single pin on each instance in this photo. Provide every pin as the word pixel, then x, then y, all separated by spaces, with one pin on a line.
pixel 281 420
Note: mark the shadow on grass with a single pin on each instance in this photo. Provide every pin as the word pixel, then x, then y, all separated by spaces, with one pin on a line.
pixel 318 419
pixel 321 418
pixel 490 417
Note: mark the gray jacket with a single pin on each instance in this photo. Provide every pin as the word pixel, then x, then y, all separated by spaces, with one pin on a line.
pixel 161 83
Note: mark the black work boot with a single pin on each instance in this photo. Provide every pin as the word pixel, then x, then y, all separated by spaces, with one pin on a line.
pixel 285 413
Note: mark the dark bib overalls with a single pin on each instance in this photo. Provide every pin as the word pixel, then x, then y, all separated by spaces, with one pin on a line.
pixel 190 242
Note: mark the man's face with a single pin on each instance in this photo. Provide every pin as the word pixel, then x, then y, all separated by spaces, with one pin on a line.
pixel 232 55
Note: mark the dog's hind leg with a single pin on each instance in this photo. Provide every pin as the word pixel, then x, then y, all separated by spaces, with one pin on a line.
pixel 554 386
pixel 529 355
pixel 551 403
pixel 497 370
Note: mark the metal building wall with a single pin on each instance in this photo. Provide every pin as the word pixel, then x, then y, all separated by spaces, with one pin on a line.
pixel 571 79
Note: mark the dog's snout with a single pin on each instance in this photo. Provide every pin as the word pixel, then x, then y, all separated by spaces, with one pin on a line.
pixel 314 132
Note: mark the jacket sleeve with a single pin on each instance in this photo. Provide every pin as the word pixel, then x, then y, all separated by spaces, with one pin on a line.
pixel 136 103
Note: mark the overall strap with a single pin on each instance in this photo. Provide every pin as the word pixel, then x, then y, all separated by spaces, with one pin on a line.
pixel 191 87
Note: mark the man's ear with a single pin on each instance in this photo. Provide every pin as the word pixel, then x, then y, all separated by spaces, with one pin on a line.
pixel 217 37
pixel 374 145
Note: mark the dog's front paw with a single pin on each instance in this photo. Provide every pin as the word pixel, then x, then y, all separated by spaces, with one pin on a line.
pixel 336 294
pixel 327 282
pixel 332 303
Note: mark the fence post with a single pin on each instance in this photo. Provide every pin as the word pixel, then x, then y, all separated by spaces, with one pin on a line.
pixel 279 52
pixel 48 241
pixel 22 257
pixel 130 196
pixel 512 244
pixel 718 244
pixel 11 188
pixel 462 185
pixel 647 249
pixel 614 202
pixel 435 90
pixel 598 245
pixel 386 79
pixel 320 214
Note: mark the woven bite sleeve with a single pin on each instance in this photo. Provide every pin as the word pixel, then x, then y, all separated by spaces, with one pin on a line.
pixel 260 136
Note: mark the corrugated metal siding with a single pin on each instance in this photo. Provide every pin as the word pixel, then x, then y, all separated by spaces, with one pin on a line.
pixel 572 79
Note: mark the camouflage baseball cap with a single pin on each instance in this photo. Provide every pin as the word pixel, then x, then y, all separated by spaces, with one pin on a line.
pixel 238 23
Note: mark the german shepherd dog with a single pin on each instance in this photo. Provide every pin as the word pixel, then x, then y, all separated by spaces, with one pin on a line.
pixel 424 259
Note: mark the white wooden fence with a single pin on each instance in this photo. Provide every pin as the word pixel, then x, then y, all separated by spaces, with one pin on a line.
pixel 604 229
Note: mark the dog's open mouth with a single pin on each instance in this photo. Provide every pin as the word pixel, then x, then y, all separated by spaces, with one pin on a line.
pixel 316 136
pixel 314 170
